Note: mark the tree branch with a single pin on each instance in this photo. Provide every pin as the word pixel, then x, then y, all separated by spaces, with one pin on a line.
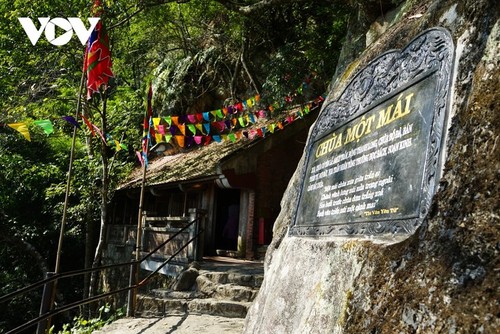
pixel 249 10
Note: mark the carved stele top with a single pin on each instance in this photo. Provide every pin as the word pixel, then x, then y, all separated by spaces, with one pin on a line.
pixel 379 179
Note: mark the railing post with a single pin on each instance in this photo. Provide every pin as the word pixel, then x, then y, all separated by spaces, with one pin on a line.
pixel 132 292
pixel 46 304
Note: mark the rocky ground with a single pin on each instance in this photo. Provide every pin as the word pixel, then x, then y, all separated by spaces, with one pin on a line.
pixel 179 324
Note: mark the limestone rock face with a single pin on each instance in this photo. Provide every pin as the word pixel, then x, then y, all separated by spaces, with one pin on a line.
pixel 443 278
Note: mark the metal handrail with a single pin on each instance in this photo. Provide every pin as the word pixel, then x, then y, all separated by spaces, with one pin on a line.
pixel 67 307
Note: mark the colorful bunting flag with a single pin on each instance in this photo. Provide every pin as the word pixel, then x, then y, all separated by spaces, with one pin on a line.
pixel 207 128
pixel 139 157
pixel 97 61
pixel 89 125
pixel 192 128
pixel 71 120
pixel 192 118
pixel 182 128
pixel 180 140
pixel 100 133
pixel 46 125
pixel 22 128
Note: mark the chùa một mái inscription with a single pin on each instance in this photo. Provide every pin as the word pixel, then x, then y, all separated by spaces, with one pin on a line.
pixel 373 157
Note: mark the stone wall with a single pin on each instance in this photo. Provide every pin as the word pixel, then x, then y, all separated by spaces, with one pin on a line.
pixel 442 279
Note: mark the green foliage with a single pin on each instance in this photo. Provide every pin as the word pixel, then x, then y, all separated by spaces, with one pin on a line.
pixel 81 325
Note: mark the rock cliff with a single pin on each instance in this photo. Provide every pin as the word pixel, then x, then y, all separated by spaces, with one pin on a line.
pixel 444 277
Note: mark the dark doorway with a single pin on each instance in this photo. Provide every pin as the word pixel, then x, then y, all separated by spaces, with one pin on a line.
pixel 227 219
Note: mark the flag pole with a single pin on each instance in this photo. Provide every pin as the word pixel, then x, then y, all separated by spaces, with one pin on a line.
pixel 134 270
pixel 49 291
pixel 68 182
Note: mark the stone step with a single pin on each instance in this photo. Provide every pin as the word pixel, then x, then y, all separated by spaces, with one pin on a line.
pixel 233 278
pixel 227 291
pixel 148 306
pixel 170 294
pixel 225 308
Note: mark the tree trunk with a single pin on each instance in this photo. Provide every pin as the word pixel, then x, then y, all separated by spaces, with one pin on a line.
pixel 94 281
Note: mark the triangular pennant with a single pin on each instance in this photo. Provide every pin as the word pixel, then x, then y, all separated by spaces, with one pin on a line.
pixel 271 128
pixel 199 117
pixel 139 157
pixel 251 134
pixel 22 128
pixel 158 137
pixel 198 139
pixel 173 130
pixel 214 113
pixel 207 128
pixel 225 111
pixel 219 114
pixel 89 125
pixel 192 128
pixel 71 120
pixel 182 128
pixel 100 134
pixel 307 109
pixel 168 119
pixel 191 118
pixel 206 116
pixel 208 139
pixel 168 137
pixel 161 129
pixel 118 146
pixel 232 137
pixel 219 125
pixel 46 125
pixel 216 138
pixel 280 125
pixel 260 132
pixel 180 140
pixel 175 120
pixel 199 127
pixel 156 122
pixel 242 122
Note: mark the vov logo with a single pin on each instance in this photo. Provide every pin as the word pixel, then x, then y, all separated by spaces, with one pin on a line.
pixel 69 25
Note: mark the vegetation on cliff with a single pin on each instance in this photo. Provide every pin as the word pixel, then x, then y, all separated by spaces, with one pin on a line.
pixel 198 54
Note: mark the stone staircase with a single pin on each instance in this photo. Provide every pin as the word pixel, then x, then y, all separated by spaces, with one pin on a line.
pixel 219 286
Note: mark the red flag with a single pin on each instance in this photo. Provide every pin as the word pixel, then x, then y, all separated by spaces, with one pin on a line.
pixel 148 117
pixel 97 62
pixel 89 125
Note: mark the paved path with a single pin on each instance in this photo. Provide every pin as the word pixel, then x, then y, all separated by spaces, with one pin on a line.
pixel 178 324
